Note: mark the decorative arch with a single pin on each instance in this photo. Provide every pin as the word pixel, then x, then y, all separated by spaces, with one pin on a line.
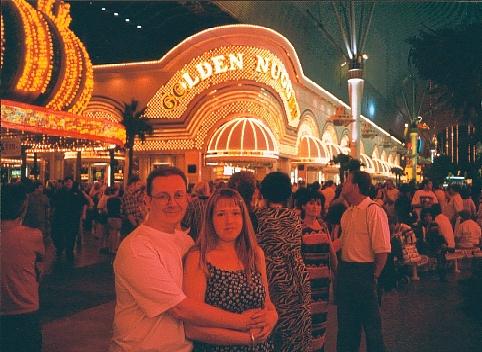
pixel 329 134
pixel 384 156
pixel 362 147
pixel 376 153
pixel 308 125
pixel 345 141
pixel 391 158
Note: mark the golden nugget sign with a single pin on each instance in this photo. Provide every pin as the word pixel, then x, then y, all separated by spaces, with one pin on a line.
pixel 218 66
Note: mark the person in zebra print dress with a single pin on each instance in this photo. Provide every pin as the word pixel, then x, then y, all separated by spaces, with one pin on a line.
pixel 279 235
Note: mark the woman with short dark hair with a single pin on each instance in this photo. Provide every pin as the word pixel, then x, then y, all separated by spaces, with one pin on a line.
pixel 279 234
pixel 320 260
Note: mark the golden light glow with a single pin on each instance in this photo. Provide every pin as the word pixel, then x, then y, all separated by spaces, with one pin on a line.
pixel 99 108
pixel 217 108
pixel 38 48
pixel 84 92
pixel 34 62
pixel 223 64
pixel 95 155
pixel 2 40
pixel 35 119
pixel 77 82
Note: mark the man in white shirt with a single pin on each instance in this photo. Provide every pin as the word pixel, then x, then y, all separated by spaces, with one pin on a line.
pixel 455 204
pixel 424 197
pixel 444 225
pixel 365 244
pixel 151 306
pixel 468 232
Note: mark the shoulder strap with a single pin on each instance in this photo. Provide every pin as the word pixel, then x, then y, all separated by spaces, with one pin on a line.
pixel 366 212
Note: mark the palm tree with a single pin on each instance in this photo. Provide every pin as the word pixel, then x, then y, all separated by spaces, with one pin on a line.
pixel 137 126
pixel 398 172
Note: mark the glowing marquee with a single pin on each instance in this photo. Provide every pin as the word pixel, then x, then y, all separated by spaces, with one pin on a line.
pixel 220 65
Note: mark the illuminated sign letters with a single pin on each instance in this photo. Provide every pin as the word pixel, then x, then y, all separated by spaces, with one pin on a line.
pixel 218 66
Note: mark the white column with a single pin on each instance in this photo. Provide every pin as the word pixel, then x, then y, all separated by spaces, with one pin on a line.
pixel 355 92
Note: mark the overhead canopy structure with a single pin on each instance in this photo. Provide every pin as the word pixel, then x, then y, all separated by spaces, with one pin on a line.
pixel 336 149
pixel 368 163
pixel 311 150
pixel 243 139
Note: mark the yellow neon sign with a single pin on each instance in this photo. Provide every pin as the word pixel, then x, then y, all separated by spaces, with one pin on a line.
pixel 220 65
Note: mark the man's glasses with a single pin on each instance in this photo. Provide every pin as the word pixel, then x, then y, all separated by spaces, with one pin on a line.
pixel 165 197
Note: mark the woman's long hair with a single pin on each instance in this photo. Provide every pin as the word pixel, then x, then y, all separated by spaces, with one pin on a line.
pixel 245 243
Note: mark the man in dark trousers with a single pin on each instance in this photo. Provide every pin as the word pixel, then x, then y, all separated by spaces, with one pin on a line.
pixel 68 204
pixel 365 244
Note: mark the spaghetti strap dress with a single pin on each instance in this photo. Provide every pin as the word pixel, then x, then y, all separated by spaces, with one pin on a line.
pixel 231 291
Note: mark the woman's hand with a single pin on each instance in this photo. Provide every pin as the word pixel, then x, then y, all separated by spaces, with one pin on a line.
pixel 265 321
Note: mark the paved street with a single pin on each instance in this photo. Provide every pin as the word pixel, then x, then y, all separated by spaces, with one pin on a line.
pixel 77 306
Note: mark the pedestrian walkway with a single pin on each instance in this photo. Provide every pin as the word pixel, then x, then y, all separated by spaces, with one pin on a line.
pixel 77 307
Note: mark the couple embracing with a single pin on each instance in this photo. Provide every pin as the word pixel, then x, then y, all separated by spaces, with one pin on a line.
pixel 170 292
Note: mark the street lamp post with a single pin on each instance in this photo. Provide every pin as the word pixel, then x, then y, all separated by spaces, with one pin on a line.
pixel 354 43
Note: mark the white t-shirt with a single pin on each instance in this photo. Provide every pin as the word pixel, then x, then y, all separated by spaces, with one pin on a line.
pixel 468 233
pixel 365 232
pixel 424 198
pixel 148 281
pixel 454 206
pixel 445 228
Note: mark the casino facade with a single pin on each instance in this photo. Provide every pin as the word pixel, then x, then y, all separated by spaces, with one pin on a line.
pixel 235 98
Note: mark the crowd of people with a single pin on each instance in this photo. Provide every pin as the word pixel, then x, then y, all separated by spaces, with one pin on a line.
pixel 236 266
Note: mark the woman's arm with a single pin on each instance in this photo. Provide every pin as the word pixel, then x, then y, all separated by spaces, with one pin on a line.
pixel 271 314
pixel 194 286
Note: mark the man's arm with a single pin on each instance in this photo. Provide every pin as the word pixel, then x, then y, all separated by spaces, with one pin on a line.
pixel 379 232
pixel 193 310
pixel 217 336
pixel 380 260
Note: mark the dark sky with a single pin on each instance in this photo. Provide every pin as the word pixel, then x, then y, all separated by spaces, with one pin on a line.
pixel 110 39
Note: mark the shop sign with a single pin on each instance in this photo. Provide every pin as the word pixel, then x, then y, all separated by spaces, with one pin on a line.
pixel 10 147
pixel 221 65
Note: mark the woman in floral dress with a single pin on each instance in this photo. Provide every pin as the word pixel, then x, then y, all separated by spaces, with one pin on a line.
pixel 227 269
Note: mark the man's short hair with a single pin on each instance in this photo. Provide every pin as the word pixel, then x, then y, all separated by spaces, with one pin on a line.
pixel 13 201
pixel 164 171
pixel 363 180
pixel 132 179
